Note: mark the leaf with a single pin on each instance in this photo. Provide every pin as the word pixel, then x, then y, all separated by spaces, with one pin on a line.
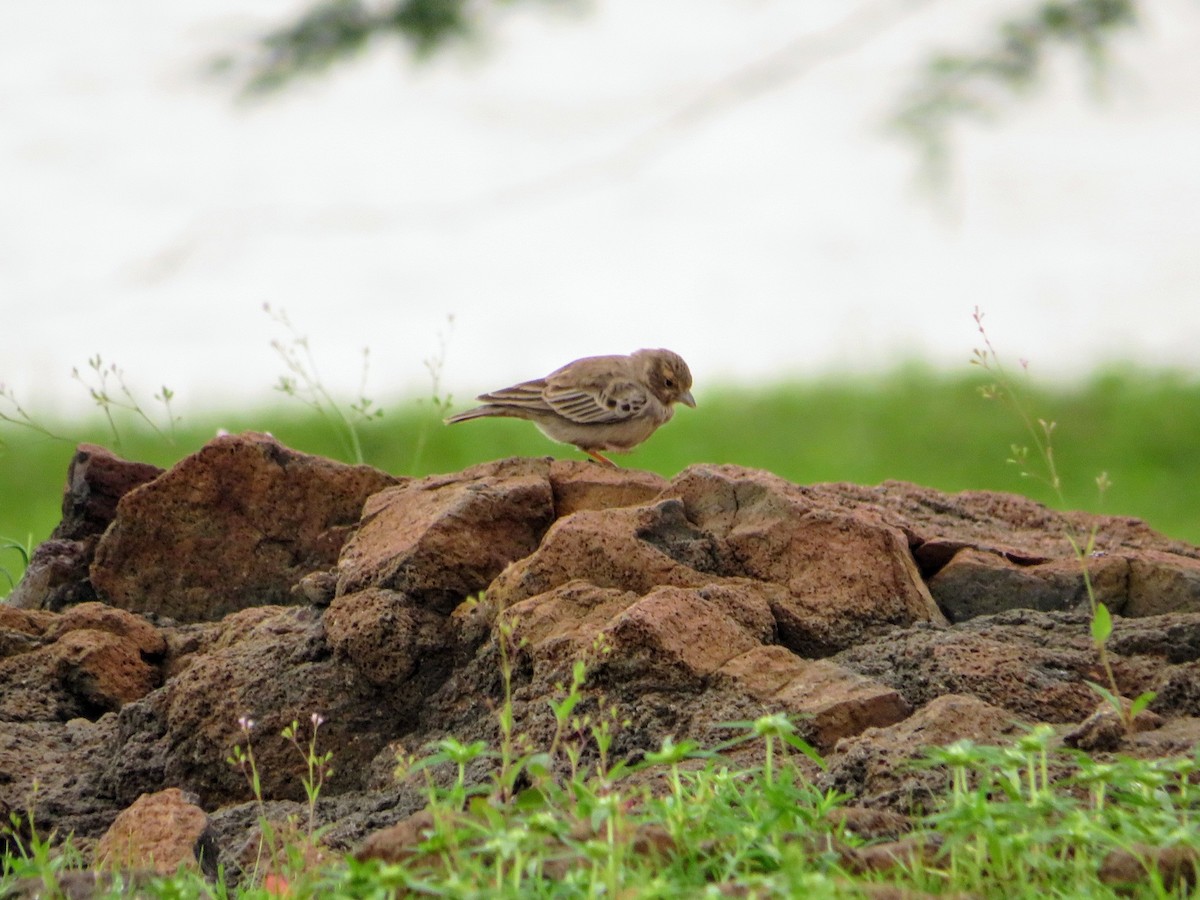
pixel 1101 624
pixel 1143 700
pixel 1109 697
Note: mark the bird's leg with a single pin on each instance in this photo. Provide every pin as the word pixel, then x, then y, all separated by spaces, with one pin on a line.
pixel 603 460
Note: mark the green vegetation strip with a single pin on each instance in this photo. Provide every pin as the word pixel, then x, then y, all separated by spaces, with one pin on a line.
pixel 912 424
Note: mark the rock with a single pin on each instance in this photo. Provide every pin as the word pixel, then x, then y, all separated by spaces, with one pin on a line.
pixel 1176 737
pixel 607 549
pixel 397 843
pixel 273 666
pixel 770 530
pixel 52 772
pixel 1171 869
pixel 384 635
pixel 91 660
pixel 869 824
pixel 976 582
pixel 579 485
pixel 102 670
pixel 1161 582
pixel 163 832
pixel 673 638
pixel 1032 664
pixel 1017 528
pixel 56 577
pixel 57 574
pixel 148 640
pixel 828 702
pixel 22 630
pixel 1171 638
pixel 908 853
pixel 557 627
pixel 97 479
pixel 1105 729
pixel 234 525
pixel 875 768
pixel 443 538
pixel 720 596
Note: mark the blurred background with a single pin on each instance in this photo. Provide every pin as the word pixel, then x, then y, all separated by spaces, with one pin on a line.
pixel 807 201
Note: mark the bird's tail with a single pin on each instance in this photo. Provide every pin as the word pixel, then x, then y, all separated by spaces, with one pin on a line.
pixel 478 412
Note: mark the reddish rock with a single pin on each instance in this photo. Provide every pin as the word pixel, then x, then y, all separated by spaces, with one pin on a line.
pixel 384 635
pixel 89 661
pixel 1106 728
pixel 96 481
pixel 621 549
pixel 57 574
pixel 234 525
pixel 148 640
pixel 22 630
pixel 771 530
pixel 976 582
pixel 161 832
pixel 102 670
pixel 578 485
pixel 397 843
pixel 443 538
pixel 720 596
pixel 25 621
pixel 673 638
pixel 827 702
pixel 1162 582
pixel 875 768
pixel 556 628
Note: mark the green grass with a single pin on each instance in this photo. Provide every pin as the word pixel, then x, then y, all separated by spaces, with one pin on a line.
pixel 566 820
pixel 912 424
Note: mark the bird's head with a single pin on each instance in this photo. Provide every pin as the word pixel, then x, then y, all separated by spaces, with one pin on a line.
pixel 667 375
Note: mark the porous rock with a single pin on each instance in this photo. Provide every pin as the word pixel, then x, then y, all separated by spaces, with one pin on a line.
pixel 768 529
pixel 828 702
pixel 721 595
pixel 442 538
pixel 162 832
pixel 236 524
pixel 1032 668
pixel 90 660
pixel 875 768
pixel 57 574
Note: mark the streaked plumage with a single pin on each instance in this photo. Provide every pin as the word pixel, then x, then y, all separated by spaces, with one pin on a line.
pixel 598 402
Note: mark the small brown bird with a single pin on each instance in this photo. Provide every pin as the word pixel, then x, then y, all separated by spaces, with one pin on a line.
pixel 598 402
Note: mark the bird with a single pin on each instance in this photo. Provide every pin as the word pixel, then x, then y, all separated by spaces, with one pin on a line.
pixel 598 402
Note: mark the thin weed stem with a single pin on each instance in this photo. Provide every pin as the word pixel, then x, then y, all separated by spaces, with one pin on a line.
pixel 304 383
pixel 1041 433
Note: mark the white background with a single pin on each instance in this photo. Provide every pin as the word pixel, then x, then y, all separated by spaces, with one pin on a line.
pixel 578 184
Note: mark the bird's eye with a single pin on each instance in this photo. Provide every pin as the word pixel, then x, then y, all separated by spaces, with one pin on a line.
pixel 670 381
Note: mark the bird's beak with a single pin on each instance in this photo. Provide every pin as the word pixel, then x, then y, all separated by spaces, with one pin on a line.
pixel 688 399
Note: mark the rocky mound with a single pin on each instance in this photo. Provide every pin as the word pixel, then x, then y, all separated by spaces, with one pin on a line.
pixel 254 581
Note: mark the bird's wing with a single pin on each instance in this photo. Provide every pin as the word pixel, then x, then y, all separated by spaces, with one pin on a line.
pixel 594 402
pixel 526 395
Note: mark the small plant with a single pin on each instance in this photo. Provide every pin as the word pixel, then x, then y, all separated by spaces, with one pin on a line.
pixel 440 402
pixel 16 414
pixel 303 382
pixel 1083 546
pixel 24 549
pixel 286 851
pixel 111 393
pixel 1027 816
